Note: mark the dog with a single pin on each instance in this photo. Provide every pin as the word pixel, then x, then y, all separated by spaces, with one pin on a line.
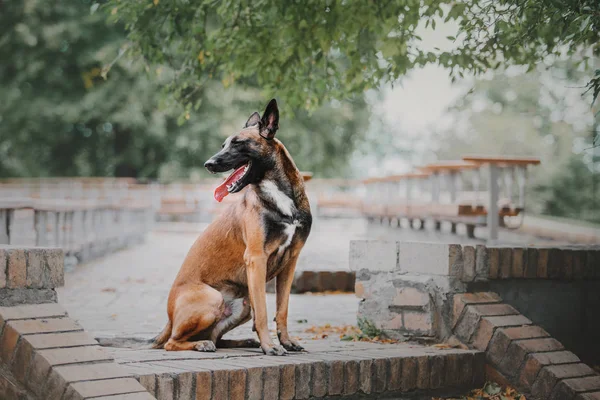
pixel 222 281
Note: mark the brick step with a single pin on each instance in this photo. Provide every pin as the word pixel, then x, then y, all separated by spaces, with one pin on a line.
pixel 320 281
pixel 328 369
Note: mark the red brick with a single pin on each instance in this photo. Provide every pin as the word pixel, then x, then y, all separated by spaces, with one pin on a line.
pixel 493 375
pixel 556 263
pixel 8 342
pixel 17 268
pixel 287 382
pixel 336 378
pixel 423 373
pixel 149 383
pixel 410 297
pixel 531 264
pixel 494 262
pixel 165 387
pixel 303 372
pixel 35 268
pixel 203 385
pixel 437 372
pixel 410 370
pixel 107 387
pixel 463 299
pixel 38 373
pixel 518 267
pixel 22 359
pixel 469 264
pixel 55 386
pixel 29 326
pixel 518 349
pixel 351 377
pixel 74 373
pixel 505 263
pixel 237 384
pixel 30 311
pixel 504 336
pixel 490 310
pixel 395 374
pixel 319 380
pixel 3 268
pixel 63 339
pixel 55 275
pixel 483 334
pixel 415 321
pixel 549 376
pixel 509 320
pixel 542 267
pixel 379 375
pixel 75 355
pixel 271 383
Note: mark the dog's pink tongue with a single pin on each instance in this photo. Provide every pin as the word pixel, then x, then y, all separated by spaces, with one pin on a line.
pixel 221 190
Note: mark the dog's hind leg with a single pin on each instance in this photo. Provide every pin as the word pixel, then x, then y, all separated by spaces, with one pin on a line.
pixel 240 314
pixel 196 309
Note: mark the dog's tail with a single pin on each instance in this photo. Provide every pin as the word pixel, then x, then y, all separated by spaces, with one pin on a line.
pixel 161 339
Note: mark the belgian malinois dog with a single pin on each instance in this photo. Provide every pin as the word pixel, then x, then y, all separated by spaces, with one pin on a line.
pixel 221 283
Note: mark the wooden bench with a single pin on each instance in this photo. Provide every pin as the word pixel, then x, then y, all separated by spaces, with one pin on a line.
pixel 452 191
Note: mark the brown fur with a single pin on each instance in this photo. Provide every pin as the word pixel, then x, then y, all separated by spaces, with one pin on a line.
pixel 227 268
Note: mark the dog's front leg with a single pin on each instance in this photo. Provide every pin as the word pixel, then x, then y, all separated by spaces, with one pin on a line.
pixel 284 287
pixel 256 267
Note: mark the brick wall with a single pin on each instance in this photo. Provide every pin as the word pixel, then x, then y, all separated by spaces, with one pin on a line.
pixel 44 354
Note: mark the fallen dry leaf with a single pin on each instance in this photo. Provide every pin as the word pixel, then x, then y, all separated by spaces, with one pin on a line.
pixel 109 289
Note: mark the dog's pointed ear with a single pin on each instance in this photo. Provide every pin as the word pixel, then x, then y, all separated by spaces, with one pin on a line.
pixel 253 120
pixel 270 120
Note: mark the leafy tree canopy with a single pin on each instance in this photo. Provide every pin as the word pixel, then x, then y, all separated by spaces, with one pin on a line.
pixel 314 50
pixel 60 117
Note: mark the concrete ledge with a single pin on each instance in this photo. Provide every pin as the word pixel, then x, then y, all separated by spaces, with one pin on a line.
pixel 519 351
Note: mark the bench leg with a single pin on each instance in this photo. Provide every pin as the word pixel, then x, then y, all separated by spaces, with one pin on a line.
pixel 453 227
pixel 422 224
pixel 471 231
pixel 438 225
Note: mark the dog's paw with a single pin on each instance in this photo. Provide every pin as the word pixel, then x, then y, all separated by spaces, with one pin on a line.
pixel 275 351
pixel 292 346
pixel 206 345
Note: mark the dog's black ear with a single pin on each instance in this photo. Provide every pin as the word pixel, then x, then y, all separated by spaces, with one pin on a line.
pixel 270 120
pixel 253 120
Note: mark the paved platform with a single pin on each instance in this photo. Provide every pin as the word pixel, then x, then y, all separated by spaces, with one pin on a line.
pixel 349 369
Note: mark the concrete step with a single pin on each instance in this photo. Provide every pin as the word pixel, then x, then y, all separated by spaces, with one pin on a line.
pixel 328 368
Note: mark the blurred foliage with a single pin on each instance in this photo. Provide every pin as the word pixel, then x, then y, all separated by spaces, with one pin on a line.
pixel 337 47
pixel 542 114
pixel 61 115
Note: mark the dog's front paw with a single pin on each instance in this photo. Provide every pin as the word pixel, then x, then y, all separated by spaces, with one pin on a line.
pixel 274 351
pixel 206 345
pixel 292 345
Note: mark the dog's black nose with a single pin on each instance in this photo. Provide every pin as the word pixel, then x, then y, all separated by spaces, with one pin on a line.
pixel 210 164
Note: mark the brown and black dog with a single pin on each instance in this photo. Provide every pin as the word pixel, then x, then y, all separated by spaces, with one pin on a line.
pixel 223 278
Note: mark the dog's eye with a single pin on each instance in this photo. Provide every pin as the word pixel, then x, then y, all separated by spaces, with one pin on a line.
pixel 236 141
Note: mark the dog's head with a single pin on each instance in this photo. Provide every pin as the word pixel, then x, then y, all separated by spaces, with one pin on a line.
pixel 249 152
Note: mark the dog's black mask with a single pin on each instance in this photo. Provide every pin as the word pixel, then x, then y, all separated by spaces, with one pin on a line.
pixel 249 153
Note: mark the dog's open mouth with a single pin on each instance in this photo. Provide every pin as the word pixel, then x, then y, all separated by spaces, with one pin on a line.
pixel 233 183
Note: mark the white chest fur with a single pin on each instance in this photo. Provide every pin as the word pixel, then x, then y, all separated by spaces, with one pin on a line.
pixel 288 233
pixel 283 202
